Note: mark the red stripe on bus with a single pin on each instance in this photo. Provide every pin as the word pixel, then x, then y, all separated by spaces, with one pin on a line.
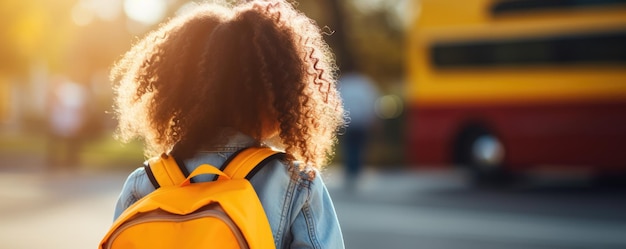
pixel 584 134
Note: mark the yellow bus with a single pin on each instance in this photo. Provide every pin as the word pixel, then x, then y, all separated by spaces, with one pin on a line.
pixel 506 85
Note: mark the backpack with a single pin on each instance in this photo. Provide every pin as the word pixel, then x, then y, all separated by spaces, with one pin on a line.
pixel 225 213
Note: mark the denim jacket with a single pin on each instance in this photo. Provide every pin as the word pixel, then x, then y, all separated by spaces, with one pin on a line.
pixel 299 209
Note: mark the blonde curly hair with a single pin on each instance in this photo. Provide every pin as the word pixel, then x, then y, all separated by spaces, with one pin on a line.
pixel 230 66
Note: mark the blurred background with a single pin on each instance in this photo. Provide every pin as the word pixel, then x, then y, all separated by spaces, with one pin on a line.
pixel 475 123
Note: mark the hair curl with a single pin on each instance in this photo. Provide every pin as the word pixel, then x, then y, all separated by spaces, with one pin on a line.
pixel 236 66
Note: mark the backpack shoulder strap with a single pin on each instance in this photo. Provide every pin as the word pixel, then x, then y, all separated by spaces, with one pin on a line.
pixel 249 161
pixel 164 171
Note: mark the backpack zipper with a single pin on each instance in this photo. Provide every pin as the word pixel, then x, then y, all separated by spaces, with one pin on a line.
pixel 160 215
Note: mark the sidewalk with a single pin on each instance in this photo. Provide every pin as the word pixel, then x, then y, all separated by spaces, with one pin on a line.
pixel 60 210
pixel 383 185
pixel 74 209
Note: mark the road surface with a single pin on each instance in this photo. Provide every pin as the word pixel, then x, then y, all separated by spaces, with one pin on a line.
pixel 402 209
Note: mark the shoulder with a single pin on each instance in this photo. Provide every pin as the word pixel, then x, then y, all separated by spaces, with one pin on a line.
pixel 288 176
pixel 307 182
pixel 291 183
pixel 138 183
pixel 136 187
pixel 138 173
pixel 304 175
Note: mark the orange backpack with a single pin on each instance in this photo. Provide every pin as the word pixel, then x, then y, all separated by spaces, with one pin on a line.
pixel 225 213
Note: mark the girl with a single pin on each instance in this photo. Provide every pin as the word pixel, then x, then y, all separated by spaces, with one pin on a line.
pixel 221 78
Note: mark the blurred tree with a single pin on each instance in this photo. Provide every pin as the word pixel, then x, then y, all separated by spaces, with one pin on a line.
pixel 16 18
pixel 378 43
pixel 362 32
pixel 339 36
pixel 32 31
pixel 366 33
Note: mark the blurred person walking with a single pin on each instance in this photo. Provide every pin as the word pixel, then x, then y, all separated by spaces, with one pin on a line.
pixel 66 120
pixel 359 95
pixel 219 79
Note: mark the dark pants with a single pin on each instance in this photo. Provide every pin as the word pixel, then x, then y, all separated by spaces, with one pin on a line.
pixel 354 143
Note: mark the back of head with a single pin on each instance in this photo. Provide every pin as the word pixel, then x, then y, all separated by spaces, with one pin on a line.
pixel 235 67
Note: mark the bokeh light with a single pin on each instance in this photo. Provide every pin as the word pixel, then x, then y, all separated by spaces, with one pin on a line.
pixel 147 12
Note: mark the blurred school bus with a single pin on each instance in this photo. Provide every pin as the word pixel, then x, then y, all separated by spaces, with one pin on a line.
pixel 504 86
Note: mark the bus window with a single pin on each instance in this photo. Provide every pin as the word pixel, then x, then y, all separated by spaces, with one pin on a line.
pixel 569 49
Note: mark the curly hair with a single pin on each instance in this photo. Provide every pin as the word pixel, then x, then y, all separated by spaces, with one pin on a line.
pixel 230 66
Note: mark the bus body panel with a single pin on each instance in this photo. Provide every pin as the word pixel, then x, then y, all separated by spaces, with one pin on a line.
pixel 549 80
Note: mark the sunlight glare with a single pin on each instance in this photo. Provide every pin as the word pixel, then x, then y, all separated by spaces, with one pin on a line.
pixel 147 12
pixel 81 14
pixel 85 11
